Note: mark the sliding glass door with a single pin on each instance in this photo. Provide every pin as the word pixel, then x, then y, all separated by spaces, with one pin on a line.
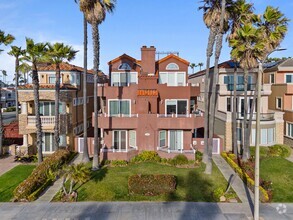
pixel 176 139
pixel 119 140
pixel 48 142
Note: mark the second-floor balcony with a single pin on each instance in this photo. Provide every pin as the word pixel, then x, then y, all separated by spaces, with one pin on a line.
pixel 241 87
pixel 45 120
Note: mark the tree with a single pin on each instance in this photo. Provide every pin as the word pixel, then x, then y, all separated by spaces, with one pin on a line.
pixel 85 155
pixel 16 52
pixel 35 54
pixel 56 54
pixel 76 173
pixel 222 28
pixel 95 12
pixel 192 66
pixel 200 66
pixel 5 39
pixel 25 69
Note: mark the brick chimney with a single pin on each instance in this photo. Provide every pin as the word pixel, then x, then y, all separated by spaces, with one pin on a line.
pixel 148 59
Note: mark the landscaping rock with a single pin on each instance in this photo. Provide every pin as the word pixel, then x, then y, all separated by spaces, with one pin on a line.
pixel 222 199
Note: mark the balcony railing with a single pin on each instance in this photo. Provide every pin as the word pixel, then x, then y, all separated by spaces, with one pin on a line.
pixel 119 115
pixel 263 116
pixel 180 115
pixel 240 87
pixel 45 120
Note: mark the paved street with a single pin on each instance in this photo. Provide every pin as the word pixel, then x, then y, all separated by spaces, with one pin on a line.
pixel 8 117
pixel 138 211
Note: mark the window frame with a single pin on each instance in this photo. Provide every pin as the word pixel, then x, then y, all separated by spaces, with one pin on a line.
pixel 168 67
pixel 285 78
pixel 176 78
pixel 128 77
pixel 119 114
pixel 165 138
pixel 277 103
pixel 129 134
pixel 187 105
pixel 270 79
pixel 289 130
pixel 119 147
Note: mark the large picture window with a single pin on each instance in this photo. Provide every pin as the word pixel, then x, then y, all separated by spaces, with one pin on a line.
pixel 123 78
pixel 290 130
pixel 267 136
pixel 172 78
pixel 176 107
pixel 119 107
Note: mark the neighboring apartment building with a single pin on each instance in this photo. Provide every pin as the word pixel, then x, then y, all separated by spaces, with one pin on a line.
pixel 148 105
pixel 7 97
pixel 280 76
pixel 271 122
pixel 70 106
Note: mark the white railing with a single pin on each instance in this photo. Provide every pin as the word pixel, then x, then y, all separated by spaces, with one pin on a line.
pixel 45 120
pixel 179 115
pixel 119 115
pixel 112 149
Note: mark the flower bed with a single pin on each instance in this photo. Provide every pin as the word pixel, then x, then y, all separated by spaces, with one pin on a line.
pixel 40 178
pixel 246 173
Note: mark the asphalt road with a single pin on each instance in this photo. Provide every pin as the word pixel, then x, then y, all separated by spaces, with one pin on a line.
pixel 8 117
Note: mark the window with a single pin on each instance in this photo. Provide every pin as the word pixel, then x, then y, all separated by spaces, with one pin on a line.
pixel 289 78
pixel 176 107
pixel 239 134
pixel 162 138
pixel 48 142
pixel 228 104
pixel 52 79
pixel 172 78
pixel 290 130
pixel 132 138
pixel 124 66
pixel 47 108
pixel 279 103
pixel 117 107
pixel 172 66
pixel 120 140
pixel 267 136
pixel 123 79
pixel 175 139
pixel 272 78
pixel 229 81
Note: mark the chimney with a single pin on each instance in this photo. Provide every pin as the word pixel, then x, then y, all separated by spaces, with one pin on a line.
pixel 148 59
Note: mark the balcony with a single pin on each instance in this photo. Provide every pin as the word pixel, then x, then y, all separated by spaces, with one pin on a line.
pixel 121 121
pixel 263 116
pixel 45 120
pixel 174 121
pixel 227 89
pixel 240 87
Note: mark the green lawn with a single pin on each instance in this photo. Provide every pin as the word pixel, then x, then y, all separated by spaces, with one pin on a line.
pixel 280 172
pixel 10 180
pixel 110 183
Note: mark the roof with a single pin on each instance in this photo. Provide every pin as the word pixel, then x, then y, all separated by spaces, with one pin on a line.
pixel 173 56
pixel 48 86
pixel 275 66
pixel 124 56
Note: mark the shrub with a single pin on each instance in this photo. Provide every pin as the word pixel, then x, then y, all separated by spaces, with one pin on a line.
pixel 198 156
pixel 10 109
pixel 232 156
pixel 279 150
pixel 151 185
pixel 263 152
pixel 217 193
pixel 180 160
pixel 146 156
pixel 119 163
pixel 39 177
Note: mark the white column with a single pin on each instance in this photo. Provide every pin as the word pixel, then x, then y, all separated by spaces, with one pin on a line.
pixel 24 108
pixel 25 140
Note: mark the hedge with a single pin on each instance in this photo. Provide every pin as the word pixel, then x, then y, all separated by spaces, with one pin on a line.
pixel 151 185
pixel 264 197
pixel 39 178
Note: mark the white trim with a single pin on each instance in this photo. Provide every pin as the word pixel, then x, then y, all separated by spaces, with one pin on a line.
pixel 135 144
pixel 286 78
pixel 127 65
pixel 159 144
pixel 187 106
pixel 270 78
pixel 176 77
pixel 278 97
pixel 118 100
pixel 287 129
pixel 176 67
pixel 119 135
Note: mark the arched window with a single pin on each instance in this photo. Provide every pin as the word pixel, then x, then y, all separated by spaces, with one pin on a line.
pixel 172 66
pixel 124 66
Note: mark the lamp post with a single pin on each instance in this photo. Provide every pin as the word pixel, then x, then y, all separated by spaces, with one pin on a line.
pixel 257 141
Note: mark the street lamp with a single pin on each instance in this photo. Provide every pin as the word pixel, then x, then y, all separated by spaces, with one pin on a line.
pixel 257 141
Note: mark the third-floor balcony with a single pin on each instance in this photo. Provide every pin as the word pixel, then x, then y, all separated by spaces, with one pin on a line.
pixel 227 89
pixel 263 116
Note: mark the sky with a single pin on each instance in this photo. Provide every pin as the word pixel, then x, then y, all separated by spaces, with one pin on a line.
pixel 165 24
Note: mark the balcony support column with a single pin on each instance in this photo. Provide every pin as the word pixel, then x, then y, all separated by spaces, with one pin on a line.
pixel 24 108
pixel 25 140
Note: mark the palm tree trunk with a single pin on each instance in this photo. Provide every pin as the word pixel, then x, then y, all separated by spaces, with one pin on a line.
pixel 57 95
pixel 234 114
pixel 210 47
pixel 36 86
pixel 96 46
pixel 213 100
pixel 16 85
pixel 245 150
pixel 85 156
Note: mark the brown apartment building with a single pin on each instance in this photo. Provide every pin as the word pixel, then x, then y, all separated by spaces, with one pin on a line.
pixel 148 105
pixel 280 76
pixel 70 107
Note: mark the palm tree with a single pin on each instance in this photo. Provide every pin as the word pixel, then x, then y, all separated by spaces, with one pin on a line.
pixel 95 12
pixel 16 52
pixel 211 14
pixel 85 155
pixel 200 66
pixel 24 68
pixel 273 26
pixel 56 54
pixel 35 54
pixel 222 28
pixel 192 65
pixel 5 39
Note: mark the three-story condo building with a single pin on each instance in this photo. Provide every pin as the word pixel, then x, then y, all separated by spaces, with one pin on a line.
pixel 280 76
pixel 70 107
pixel 148 105
pixel 271 121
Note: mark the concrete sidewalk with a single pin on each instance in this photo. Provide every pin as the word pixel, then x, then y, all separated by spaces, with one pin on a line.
pixel 49 194
pixel 139 211
pixel 243 192
pixel 7 164
pixel 290 158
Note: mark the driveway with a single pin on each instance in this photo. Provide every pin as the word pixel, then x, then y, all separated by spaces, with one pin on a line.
pixel 7 164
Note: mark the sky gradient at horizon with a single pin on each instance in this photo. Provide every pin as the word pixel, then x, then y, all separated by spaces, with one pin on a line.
pixel 165 24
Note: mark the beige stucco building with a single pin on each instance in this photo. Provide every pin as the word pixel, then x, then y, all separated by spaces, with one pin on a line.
pixel 272 123
pixel 280 76
pixel 70 107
